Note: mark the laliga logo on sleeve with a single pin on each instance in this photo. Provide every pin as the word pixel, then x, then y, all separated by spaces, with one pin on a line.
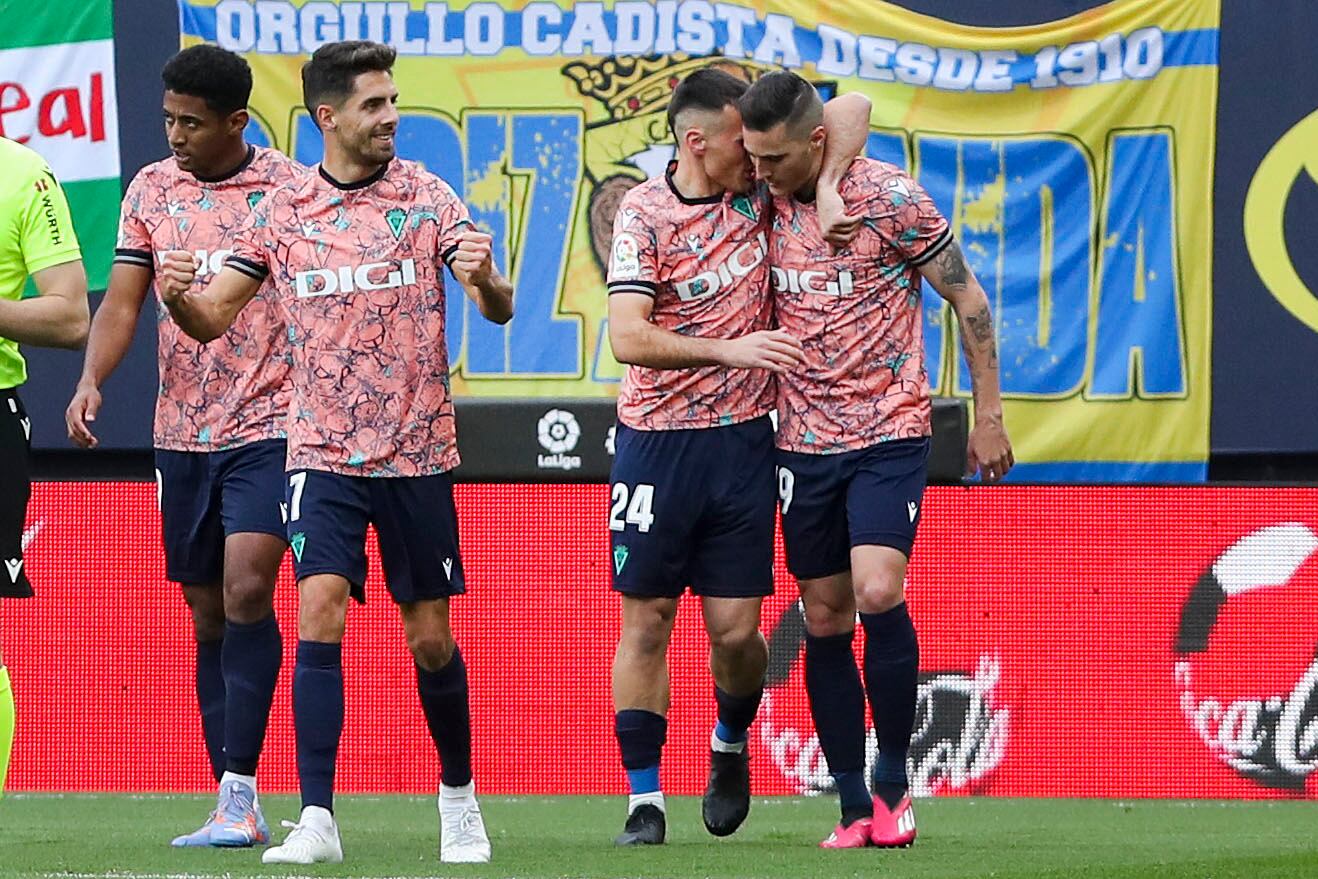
pixel 1246 671
pixel 626 263
pixel 558 433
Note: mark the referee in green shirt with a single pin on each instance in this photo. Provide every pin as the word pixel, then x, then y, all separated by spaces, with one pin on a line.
pixel 36 238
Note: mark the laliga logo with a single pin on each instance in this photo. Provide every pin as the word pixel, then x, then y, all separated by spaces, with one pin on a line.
pixel 744 260
pixel 1265 208
pixel 960 733
pixel 346 279
pixel 558 433
pixel 1266 734
pixel 793 281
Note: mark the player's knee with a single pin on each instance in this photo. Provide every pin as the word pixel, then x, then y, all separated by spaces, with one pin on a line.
pixel 431 650
pixel 248 598
pixel 321 616
pixel 878 591
pixel 206 606
pixel 823 619
pixel 647 636
pixel 646 627
pixel 741 641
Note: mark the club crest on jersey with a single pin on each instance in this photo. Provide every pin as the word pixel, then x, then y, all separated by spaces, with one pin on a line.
pixel 346 279
pixel 742 262
pixel 396 217
pixel 743 205
pixel 626 262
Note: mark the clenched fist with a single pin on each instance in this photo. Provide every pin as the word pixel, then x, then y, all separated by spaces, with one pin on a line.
pixel 178 269
pixel 473 261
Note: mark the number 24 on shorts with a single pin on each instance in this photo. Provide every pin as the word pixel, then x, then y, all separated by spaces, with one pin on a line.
pixel 636 504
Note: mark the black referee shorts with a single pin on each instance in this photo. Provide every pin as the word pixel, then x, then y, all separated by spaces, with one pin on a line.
pixel 15 489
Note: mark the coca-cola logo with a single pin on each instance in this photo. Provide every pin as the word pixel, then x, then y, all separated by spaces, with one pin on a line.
pixel 960 732
pixel 1246 671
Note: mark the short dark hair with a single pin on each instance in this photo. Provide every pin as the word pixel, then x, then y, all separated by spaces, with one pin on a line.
pixel 328 77
pixel 778 97
pixel 217 76
pixel 708 88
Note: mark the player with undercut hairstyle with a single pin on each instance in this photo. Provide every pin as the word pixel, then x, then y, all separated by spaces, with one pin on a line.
pixel 356 251
pixel 691 312
pixel 853 432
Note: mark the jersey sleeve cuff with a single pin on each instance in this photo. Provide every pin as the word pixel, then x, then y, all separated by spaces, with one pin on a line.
pixel 253 270
pixel 644 287
pixel 129 256
pixel 934 249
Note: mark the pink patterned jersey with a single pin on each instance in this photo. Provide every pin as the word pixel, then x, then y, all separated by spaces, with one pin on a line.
pixel 359 270
pixel 704 262
pixel 233 390
pixel 857 313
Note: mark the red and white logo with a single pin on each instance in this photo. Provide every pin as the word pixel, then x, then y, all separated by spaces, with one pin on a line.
pixel 1247 670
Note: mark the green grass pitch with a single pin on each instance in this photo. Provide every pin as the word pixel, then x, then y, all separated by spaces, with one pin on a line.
pixel 79 836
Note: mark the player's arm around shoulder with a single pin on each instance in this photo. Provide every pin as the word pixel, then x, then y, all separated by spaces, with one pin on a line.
pixel 989 448
pixel 847 126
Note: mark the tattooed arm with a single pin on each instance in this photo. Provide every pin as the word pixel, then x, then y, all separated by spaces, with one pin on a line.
pixel 989 449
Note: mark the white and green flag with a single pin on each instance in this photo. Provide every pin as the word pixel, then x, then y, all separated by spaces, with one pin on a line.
pixel 57 96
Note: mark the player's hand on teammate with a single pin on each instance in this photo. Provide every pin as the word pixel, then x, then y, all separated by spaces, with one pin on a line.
pixel 989 449
pixel 835 223
pixel 473 261
pixel 82 409
pixel 767 349
pixel 177 271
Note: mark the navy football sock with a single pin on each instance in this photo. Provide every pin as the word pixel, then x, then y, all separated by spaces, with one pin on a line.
pixel 252 653
pixel 837 703
pixel 444 699
pixel 735 714
pixel 318 718
pixel 641 735
pixel 210 700
pixel 892 665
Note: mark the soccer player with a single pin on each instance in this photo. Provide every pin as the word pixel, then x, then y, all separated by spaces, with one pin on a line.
pixel 690 309
pixel 220 417
pixel 853 434
pixel 37 239
pixel 355 250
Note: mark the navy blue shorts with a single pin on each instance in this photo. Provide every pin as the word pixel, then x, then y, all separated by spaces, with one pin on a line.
pixel 416 528
pixel 830 503
pixel 693 508
pixel 206 496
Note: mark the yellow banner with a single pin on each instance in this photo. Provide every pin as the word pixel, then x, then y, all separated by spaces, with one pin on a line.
pixel 1074 159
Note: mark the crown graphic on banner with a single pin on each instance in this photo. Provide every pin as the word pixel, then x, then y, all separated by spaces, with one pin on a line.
pixel 635 85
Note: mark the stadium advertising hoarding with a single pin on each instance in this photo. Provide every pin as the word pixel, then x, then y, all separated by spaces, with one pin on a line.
pixel 1100 641
pixel 1070 157
pixel 57 96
